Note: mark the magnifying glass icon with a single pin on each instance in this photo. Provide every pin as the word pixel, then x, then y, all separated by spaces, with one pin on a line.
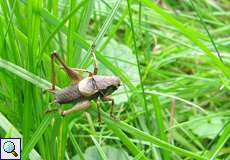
pixel 9 147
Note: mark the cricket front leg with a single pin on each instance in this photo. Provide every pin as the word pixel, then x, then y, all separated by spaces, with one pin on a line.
pixel 77 107
pixel 92 51
pixel 107 98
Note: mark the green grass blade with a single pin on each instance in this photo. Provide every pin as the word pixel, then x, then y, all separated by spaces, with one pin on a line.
pixel 107 22
pixel 70 36
pixel 124 138
pixel 76 146
pixel 160 122
pixel 100 150
pixel 139 156
pixel 220 143
pixel 138 61
pixel 206 29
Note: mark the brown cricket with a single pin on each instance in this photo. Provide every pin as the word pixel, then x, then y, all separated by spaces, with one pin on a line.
pixel 83 90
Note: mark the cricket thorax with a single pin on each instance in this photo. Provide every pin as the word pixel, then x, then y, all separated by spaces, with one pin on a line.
pixel 101 85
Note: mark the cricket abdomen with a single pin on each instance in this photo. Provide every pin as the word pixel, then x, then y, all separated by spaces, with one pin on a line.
pixel 68 94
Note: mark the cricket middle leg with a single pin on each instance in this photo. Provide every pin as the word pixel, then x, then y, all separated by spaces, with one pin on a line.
pixel 98 111
pixel 107 98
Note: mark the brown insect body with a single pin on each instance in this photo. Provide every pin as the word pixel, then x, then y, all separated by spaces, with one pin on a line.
pixel 83 90
pixel 87 89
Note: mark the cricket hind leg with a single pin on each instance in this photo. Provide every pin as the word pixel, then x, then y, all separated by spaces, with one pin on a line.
pixel 107 98
pixel 77 107
pixel 71 73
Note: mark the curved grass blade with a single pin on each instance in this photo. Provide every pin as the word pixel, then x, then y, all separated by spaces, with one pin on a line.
pixel 160 123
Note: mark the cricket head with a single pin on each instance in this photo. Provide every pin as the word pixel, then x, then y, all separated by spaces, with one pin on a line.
pixel 115 81
pixel 104 85
pixel 111 84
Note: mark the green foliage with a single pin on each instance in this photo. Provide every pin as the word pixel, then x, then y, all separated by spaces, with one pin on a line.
pixel 172 58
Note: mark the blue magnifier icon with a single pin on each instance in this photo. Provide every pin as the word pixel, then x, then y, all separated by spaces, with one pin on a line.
pixel 9 147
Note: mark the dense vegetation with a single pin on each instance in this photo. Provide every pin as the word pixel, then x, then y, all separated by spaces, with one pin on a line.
pixel 171 55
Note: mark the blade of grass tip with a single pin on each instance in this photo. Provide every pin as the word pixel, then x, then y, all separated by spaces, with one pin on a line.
pixel 190 34
pixel 76 146
pixel 138 62
pixel 143 136
pixel 129 144
pixel 6 126
pixel 100 150
pixel 160 123
pixel 37 135
pixel 103 30
pixel 222 140
pixel 206 29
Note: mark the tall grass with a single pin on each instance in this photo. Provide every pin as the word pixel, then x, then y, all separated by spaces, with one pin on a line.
pixel 172 58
